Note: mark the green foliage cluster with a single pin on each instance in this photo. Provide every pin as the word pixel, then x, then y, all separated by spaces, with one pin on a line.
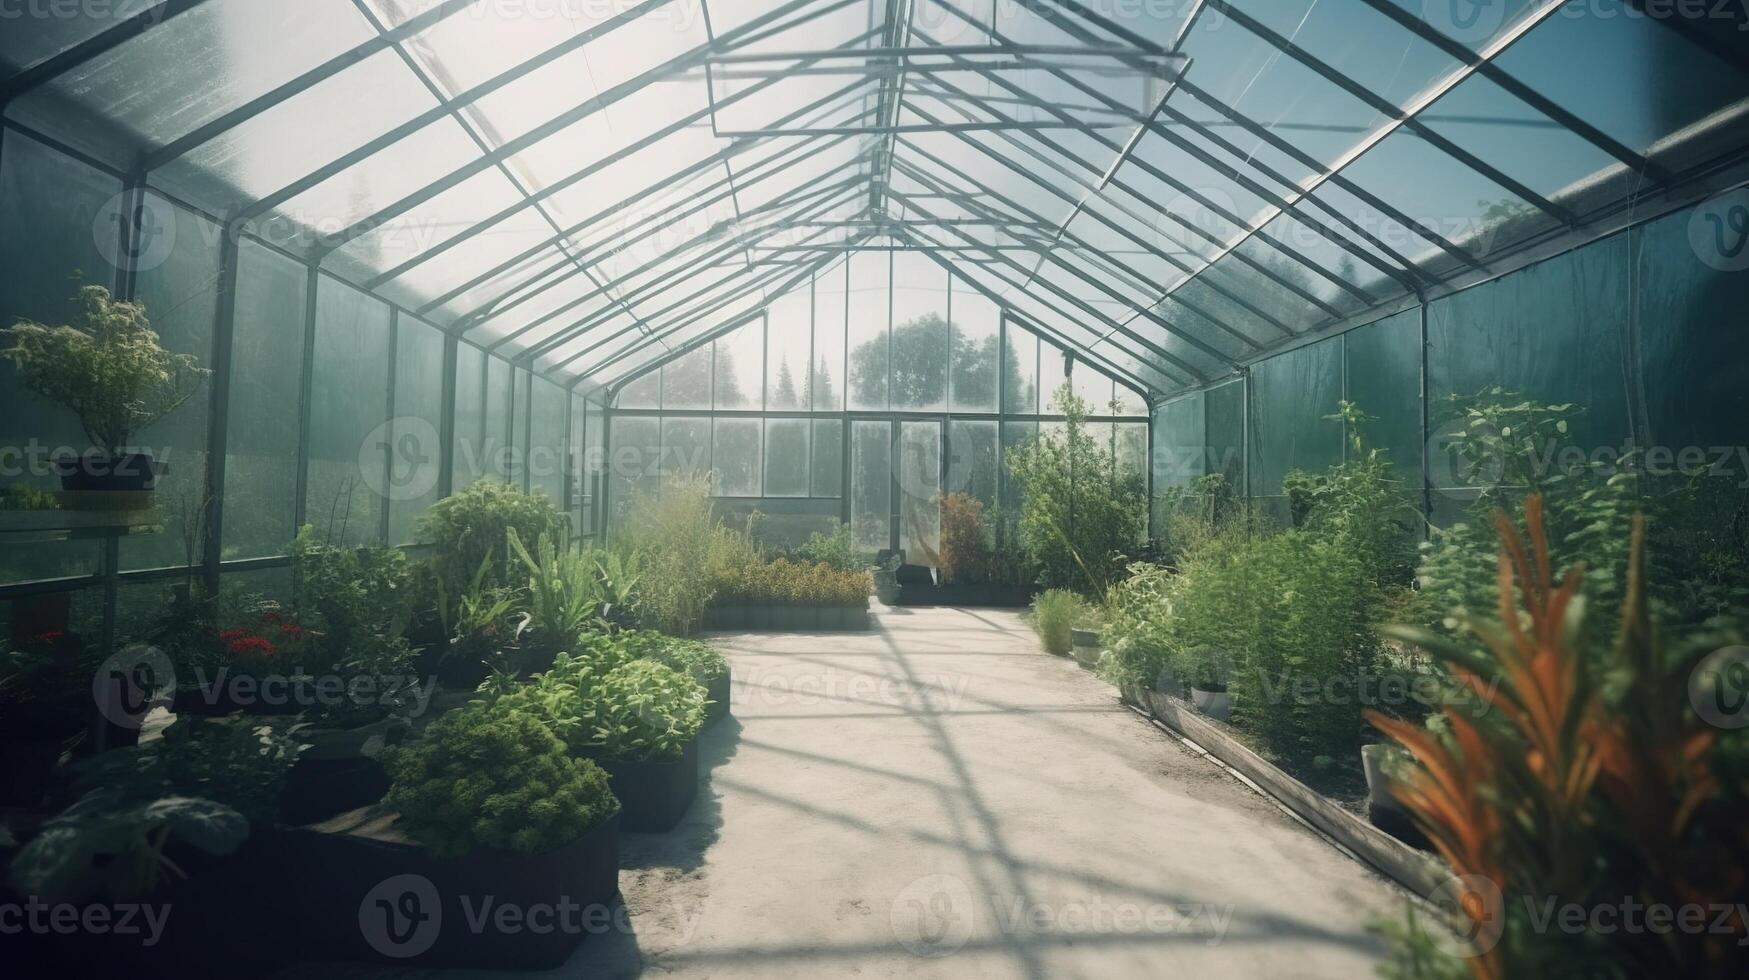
pixel 353 606
pixel 624 711
pixel 1080 516
pixel 697 660
pixel 837 549
pixel 110 845
pixel 1209 506
pixel 20 496
pixel 471 528
pixel 1508 446
pixel 1360 506
pixel 237 763
pixel 491 777
pixel 109 368
pixel 1054 613
pixel 678 540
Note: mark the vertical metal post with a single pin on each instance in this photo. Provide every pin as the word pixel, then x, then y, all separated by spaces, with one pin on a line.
pixel 306 381
pixel 603 498
pixel 1426 422
pixel 383 518
pixel 219 405
pixel 446 425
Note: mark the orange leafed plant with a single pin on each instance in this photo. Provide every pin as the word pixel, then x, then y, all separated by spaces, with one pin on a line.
pixel 1553 790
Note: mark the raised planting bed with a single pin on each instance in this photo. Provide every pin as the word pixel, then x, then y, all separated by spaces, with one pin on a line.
pixel 1414 870
pixel 718 690
pixel 963 594
pixel 771 619
pixel 359 890
pixel 654 796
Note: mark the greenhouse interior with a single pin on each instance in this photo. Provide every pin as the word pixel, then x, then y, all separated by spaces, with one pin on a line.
pixel 938 488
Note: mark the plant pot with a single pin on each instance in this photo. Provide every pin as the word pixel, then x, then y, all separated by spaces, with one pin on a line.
pixel 732 616
pixel 1215 704
pixel 765 617
pixel 358 898
pixel 654 796
pixel 718 690
pixel 886 584
pixel 855 618
pixel 98 481
pixel 1383 809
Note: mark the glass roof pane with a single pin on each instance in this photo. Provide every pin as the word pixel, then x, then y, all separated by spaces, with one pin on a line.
pixel 216 57
pixel 1514 138
pixel 1631 77
pixel 330 120
pixel 1380 55
pixel 433 222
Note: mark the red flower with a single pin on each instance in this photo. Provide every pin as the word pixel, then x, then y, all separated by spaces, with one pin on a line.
pixel 270 616
pixel 249 644
pixel 51 636
pixel 292 630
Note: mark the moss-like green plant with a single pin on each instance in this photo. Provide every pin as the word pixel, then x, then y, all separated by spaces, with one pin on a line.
pixel 644 711
pixel 108 369
pixel 488 777
pixel 1054 613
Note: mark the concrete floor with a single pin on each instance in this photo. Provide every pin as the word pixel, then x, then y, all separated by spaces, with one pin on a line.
pixel 941 798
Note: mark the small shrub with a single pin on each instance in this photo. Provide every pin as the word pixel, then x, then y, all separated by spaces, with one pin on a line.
pixel 469 528
pixel 1054 613
pixel 673 535
pixel 786 583
pixel 696 660
pixel 837 549
pixel 966 543
pixel 488 777
pixel 644 711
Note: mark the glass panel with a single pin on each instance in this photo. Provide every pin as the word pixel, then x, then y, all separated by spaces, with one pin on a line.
pixel 546 441
pixel 740 368
pixel 920 492
pixel 921 350
pixel 828 461
pixel 976 323
pixel 1052 374
pixel 414 451
pixel 470 416
pixel 261 454
pixel 869 310
pixel 686 447
pixel 1093 388
pixel 496 440
pixel 871 484
pixel 786 457
pixel 1020 373
pixel 973 463
pixel 788 338
pixel 1013 434
pixel 1132 450
pixel 644 392
pixel 181 296
pixel 686 380
pixel 829 314
pixel 735 457
pixel 633 468
pixel 350 452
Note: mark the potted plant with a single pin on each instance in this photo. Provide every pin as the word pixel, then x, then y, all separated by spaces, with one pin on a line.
pixel 696 660
pixel 487 802
pixel 111 372
pixel 1084 640
pixel 1209 669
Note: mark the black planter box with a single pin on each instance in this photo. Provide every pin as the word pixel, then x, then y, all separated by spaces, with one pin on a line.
pixel 965 594
pixel 654 796
pixel 778 619
pixel 718 691
pixel 355 897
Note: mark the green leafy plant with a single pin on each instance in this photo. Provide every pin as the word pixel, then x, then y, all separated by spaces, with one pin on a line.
pixel 563 593
pixel 471 527
pixel 673 536
pixel 1360 506
pixel 18 496
pixel 1054 613
pixel 1588 781
pixel 487 777
pixel 1081 516
pixel 624 711
pixel 1193 514
pixel 786 583
pixel 111 845
pixel 696 660
pixel 108 369
pixel 837 549
pixel 240 765
pixel 966 544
